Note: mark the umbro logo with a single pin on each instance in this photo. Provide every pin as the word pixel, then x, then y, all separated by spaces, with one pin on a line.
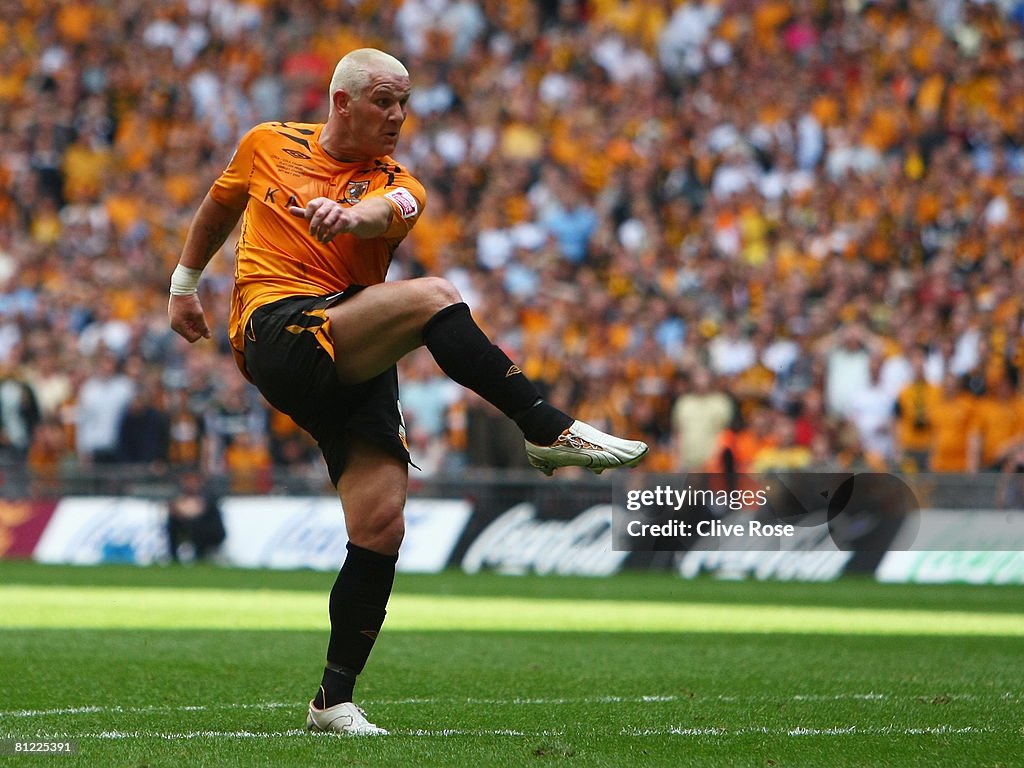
pixel 513 370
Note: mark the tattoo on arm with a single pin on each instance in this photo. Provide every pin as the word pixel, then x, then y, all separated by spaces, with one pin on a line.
pixel 215 234
pixel 209 230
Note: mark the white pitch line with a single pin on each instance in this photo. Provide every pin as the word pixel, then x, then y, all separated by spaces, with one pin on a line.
pixel 850 730
pixel 839 697
pixel 290 733
pixel 89 710
pixel 496 702
pixel 371 702
pixel 60 711
pixel 798 732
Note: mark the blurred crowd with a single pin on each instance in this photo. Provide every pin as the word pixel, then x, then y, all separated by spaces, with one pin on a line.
pixel 755 234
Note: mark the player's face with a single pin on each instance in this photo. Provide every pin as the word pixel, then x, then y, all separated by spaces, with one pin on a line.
pixel 375 119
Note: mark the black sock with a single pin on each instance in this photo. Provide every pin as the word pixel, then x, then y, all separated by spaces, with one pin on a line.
pixel 357 610
pixel 542 423
pixel 336 687
pixel 469 358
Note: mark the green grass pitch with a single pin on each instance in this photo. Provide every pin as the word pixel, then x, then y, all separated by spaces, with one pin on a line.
pixel 208 667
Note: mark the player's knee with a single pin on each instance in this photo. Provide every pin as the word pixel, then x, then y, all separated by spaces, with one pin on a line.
pixel 383 531
pixel 392 535
pixel 440 292
pixel 386 538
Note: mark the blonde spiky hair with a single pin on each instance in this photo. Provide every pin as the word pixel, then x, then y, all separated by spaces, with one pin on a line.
pixel 353 72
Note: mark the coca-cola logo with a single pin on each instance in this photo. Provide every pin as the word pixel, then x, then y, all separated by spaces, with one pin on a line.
pixel 105 529
pixel 307 539
pixel 517 542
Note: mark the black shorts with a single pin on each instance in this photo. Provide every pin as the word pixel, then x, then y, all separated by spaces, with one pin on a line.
pixel 297 376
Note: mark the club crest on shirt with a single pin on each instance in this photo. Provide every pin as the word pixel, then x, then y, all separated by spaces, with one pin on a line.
pixel 354 191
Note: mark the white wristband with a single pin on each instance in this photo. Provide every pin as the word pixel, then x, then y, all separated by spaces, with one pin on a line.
pixel 184 280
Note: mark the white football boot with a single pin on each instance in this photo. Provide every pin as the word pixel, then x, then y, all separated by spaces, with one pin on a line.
pixel 581 445
pixel 344 718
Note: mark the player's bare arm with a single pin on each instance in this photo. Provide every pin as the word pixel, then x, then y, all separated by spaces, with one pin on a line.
pixel 329 218
pixel 210 227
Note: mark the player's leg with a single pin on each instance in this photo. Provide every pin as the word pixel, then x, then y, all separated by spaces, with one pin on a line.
pixel 291 369
pixel 372 489
pixel 376 327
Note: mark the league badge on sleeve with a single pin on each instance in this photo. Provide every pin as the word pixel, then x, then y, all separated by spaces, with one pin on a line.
pixel 405 201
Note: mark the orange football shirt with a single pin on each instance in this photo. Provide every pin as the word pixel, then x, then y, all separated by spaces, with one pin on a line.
pixel 278 165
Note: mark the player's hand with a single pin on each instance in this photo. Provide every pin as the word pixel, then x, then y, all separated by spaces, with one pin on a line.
pixel 326 217
pixel 187 318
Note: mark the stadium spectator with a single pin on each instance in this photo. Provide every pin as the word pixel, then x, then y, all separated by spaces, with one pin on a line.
pixel 247 463
pixel 426 395
pixel 784 453
pixel 999 425
pixel 195 528
pixel 143 434
pixel 234 412
pixel 49 456
pixel 913 432
pixel 490 440
pixel 742 441
pixel 184 431
pixel 731 351
pixel 953 422
pixel 896 369
pixel 50 380
pixel 292 449
pixel 871 411
pixel 698 416
pixel 19 416
pixel 797 373
pixel 847 355
pixel 101 402
pixel 754 385
pixel 809 418
pixel 427 399
pixel 571 221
